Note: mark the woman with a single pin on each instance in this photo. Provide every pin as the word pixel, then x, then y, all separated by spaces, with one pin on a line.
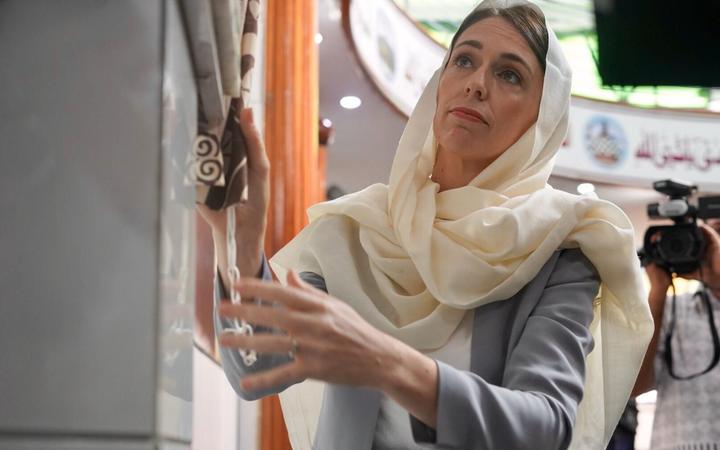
pixel 463 298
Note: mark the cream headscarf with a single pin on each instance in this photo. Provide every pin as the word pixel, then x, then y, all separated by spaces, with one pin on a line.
pixel 411 260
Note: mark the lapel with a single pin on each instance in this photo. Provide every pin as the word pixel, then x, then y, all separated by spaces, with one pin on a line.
pixel 498 326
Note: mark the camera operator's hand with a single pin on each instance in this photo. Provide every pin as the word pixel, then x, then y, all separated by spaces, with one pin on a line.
pixel 710 267
pixel 251 216
pixel 660 281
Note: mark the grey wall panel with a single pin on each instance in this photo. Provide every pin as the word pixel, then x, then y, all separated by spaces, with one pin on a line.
pixel 89 444
pixel 177 232
pixel 75 444
pixel 79 200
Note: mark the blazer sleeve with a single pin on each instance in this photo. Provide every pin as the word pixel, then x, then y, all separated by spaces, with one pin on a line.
pixel 232 363
pixel 542 384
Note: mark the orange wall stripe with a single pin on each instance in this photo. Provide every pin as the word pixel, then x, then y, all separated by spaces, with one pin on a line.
pixel 291 139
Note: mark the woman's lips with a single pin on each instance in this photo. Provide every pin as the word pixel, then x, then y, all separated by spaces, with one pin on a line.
pixel 468 114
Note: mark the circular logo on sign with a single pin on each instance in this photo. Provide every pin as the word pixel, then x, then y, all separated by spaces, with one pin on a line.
pixel 605 141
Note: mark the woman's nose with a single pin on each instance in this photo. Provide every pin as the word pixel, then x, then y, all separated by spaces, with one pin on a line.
pixel 477 86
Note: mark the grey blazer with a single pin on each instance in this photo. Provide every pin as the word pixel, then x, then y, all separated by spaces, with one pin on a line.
pixel 526 375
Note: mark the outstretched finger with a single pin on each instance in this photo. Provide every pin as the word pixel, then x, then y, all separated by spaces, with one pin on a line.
pixel 262 343
pixel 258 159
pixel 258 162
pixel 713 247
pixel 290 296
pixel 711 235
pixel 265 316
pixel 286 374
pixel 294 280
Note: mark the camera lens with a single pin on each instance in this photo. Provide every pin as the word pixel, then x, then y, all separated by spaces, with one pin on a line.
pixel 677 244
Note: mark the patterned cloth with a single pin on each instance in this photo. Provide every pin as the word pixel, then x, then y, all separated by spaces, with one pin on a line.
pixel 228 23
pixel 218 162
pixel 687 414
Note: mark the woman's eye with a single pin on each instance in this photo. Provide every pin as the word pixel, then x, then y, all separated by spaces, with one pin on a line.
pixel 510 76
pixel 463 61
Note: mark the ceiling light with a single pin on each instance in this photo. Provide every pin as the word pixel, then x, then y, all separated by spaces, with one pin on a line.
pixel 335 14
pixel 350 102
pixel 318 38
pixel 585 188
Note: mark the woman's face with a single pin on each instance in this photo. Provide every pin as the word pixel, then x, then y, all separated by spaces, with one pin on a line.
pixel 489 93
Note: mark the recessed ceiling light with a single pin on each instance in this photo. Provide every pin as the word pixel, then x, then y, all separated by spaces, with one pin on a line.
pixel 318 38
pixel 335 14
pixel 585 188
pixel 350 102
pixel 327 123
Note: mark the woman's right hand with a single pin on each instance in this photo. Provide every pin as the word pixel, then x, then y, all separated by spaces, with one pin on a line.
pixel 251 216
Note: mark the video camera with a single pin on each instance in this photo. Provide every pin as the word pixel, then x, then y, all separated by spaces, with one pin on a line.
pixel 678 248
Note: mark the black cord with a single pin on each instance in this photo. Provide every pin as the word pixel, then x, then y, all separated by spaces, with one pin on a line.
pixel 713 330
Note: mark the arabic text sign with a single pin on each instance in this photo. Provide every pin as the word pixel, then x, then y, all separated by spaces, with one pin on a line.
pixel 626 145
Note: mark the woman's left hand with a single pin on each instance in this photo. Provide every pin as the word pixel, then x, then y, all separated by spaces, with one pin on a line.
pixel 329 340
